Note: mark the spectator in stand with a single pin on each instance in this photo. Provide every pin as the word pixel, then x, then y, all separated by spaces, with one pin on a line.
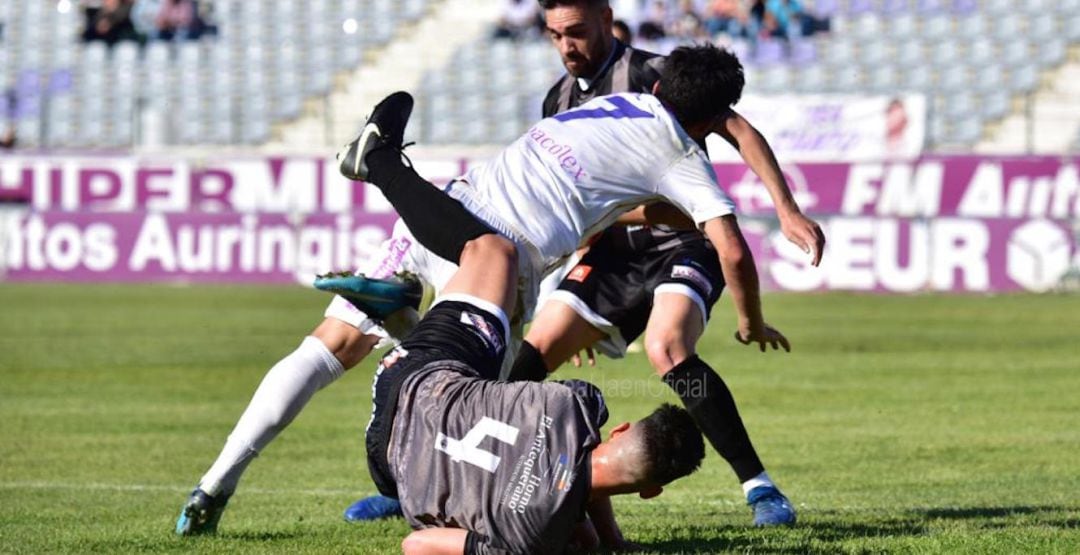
pixel 621 31
pixel 788 15
pixel 727 17
pixel 517 19
pixel 653 21
pixel 628 11
pixel 111 22
pixel 686 23
pixel 757 20
pixel 7 112
pixel 90 9
pixel 177 19
pixel 815 19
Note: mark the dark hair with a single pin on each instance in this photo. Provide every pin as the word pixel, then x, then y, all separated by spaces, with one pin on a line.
pixel 622 26
pixel 549 4
pixel 672 443
pixel 699 82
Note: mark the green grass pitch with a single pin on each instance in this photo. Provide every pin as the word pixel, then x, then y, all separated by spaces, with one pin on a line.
pixel 898 424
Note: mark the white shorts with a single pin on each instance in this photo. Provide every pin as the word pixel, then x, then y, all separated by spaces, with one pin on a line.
pixel 402 252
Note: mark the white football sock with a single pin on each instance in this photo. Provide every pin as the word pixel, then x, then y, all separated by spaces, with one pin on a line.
pixel 757 481
pixel 283 393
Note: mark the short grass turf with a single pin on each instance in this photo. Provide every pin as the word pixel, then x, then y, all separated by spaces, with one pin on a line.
pixel 898 424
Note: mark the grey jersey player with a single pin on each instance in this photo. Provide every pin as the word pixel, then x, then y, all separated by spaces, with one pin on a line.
pixel 489 467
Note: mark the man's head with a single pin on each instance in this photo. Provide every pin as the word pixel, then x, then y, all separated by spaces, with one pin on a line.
pixel 620 30
pixel 581 31
pixel 699 83
pixel 645 456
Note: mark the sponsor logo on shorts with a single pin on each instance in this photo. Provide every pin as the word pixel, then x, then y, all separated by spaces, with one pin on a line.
pixel 579 273
pixel 490 336
pixel 399 246
pixel 693 275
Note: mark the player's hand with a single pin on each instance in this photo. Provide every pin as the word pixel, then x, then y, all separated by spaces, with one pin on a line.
pixel 767 335
pixel 576 359
pixel 805 233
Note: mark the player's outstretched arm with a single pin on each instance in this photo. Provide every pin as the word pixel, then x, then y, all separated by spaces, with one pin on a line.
pixel 757 154
pixel 737 264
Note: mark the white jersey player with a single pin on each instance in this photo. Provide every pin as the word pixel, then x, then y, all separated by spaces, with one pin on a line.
pixel 566 178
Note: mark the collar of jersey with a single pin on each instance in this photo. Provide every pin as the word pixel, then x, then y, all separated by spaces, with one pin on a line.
pixel 584 83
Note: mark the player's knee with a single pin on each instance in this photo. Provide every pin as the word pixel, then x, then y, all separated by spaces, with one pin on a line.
pixel 657 349
pixel 491 248
pixel 348 344
pixel 665 352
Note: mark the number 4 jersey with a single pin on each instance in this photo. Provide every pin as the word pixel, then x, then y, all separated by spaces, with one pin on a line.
pixel 572 174
pixel 508 461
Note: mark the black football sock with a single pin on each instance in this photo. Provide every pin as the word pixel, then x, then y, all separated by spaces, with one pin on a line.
pixel 528 365
pixel 439 222
pixel 710 403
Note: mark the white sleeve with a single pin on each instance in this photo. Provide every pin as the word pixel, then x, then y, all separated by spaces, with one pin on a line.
pixel 691 184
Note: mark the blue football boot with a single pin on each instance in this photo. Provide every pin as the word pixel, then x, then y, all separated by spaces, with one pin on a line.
pixel 375 507
pixel 770 507
pixel 378 298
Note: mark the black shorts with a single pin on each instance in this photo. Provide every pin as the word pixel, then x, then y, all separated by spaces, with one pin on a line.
pixel 613 285
pixel 450 331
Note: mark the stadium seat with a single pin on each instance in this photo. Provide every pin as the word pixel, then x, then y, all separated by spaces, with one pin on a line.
pixel 980 52
pixel 1052 52
pixel 867 26
pixel 803 53
pixel 972 27
pixel 998 8
pixel 856 7
pixel 895 7
pixel 918 78
pixel 1066 7
pixel 936 27
pixel 909 55
pixel 839 52
pixel 775 80
pixel 989 78
pixel 966 131
pixel 1072 28
pixel 1015 53
pixel 945 53
pixel 1036 7
pixel 1009 27
pixel 996 104
pixel 768 53
pixel 964 7
pixel 883 80
pixel 874 53
pixel 845 80
pixel 954 79
pixel 902 26
pixel 1024 79
pixel 930 6
pixel 1043 27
